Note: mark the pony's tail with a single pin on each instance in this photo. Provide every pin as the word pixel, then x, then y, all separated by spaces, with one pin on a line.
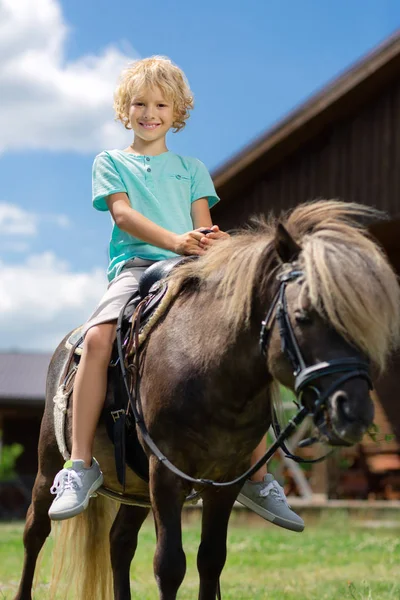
pixel 81 555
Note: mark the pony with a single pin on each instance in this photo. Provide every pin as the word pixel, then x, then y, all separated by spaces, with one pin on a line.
pixel 207 391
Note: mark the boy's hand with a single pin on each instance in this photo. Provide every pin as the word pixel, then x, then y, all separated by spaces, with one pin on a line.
pixel 197 242
pixel 191 243
pixel 216 233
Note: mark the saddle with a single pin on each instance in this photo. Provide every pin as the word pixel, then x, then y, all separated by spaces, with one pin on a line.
pixel 151 288
pixel 119 421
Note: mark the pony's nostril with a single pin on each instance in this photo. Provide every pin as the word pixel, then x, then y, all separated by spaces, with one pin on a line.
pixel 340 396
pixel 341 404
pixel 347 422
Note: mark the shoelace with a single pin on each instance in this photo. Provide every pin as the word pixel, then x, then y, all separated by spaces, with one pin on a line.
pixel 274 489
pixel 66 479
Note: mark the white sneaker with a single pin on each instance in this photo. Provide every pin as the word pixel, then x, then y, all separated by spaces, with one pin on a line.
pixel 268 500
pixel 73 486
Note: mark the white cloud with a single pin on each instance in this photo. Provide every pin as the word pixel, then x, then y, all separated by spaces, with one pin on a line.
pixel 9 245
pixel 47 102
pixel 61 221
pixel 42 299
pixel 15 221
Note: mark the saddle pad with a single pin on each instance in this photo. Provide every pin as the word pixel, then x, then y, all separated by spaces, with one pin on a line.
pixel 168 293
pixel 72 340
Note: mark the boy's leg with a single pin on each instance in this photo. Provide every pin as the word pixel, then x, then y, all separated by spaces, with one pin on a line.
pixel 257 454
pixel 266 497
pixel 90 389
pixel 81 475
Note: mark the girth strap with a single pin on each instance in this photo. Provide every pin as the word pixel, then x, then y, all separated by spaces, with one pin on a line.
pixel 119 414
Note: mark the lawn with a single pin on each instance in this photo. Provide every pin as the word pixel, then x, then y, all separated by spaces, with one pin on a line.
pixel 335 558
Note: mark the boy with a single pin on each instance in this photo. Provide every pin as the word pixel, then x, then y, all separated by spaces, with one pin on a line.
pixel 159 202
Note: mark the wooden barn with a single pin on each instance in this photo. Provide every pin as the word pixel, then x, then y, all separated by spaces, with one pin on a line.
pixel 344 142
pixel 22 390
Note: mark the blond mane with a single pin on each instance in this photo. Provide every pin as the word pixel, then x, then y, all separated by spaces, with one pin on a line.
pixel 348 279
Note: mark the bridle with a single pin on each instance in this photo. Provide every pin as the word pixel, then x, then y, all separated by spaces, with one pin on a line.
pixel 305 376
pixel 304 380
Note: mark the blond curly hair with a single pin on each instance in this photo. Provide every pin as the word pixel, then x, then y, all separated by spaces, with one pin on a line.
pixel 156 71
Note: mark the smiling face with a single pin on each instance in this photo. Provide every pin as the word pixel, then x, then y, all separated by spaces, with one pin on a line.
pixel 151 115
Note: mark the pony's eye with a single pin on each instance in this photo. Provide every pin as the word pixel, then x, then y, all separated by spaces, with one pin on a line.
pixel 302 317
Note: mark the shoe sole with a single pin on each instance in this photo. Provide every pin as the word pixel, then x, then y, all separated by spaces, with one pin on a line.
pixel 268 516
pixel 77 510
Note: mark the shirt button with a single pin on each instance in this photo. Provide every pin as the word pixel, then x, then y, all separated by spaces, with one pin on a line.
pixel 178 177
pixel 147 158
pixel 148 170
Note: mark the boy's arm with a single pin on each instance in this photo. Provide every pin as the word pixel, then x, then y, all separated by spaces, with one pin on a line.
pixel 134 223
pixel 201 218
pixel 200 213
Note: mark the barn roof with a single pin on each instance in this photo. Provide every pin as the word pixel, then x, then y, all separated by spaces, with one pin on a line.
pixel 337 100
pixel 23 377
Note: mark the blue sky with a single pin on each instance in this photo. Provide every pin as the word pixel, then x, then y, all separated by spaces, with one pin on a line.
pixel 248 65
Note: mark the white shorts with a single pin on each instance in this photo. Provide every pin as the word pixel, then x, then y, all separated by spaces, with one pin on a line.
pixel 118 292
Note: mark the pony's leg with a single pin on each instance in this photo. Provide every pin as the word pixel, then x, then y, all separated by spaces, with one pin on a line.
pixel 167 497
pixel 123 543
pixel 37 528
pixel 217 506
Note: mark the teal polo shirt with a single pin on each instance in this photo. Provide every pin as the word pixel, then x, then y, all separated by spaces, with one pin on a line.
pixel 162 188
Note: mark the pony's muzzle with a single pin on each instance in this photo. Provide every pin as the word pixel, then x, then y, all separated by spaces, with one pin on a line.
pixel 350 416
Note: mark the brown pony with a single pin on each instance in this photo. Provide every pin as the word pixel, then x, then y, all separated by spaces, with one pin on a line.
pixel 207 389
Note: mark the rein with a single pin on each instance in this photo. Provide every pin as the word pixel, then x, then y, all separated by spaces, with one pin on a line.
pixel 136 408
pixel 303 377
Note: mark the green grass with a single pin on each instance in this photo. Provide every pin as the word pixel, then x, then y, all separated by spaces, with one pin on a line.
pixel 334 559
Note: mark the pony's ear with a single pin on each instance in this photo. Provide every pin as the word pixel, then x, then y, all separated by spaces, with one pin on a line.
pixel 288 250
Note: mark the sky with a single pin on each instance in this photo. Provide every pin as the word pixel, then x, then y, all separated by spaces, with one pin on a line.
pixel 248 63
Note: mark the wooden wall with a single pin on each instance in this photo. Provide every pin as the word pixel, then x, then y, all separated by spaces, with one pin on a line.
pixel 21 424
pixel 357 159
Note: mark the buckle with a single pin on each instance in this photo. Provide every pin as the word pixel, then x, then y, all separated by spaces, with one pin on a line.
pixel 116 414
pixel 289 275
